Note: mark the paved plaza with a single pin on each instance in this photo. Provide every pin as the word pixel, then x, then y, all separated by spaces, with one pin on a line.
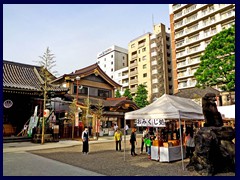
pixel 64 158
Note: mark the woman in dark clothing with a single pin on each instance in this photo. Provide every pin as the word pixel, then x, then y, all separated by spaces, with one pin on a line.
pixel 85 139
pixel 133 140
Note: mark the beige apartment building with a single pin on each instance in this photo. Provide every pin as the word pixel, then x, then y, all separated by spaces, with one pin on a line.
pixel 150 63
pixel 192 27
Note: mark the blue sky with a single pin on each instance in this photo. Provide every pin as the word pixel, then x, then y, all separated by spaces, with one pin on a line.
pixel 75 33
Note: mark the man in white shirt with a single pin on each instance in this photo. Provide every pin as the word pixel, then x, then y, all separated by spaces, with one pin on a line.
pixel 115 127
pixel 126 129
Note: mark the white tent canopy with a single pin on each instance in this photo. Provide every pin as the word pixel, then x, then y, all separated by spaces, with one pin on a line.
pixel 227 112
pixel 168 107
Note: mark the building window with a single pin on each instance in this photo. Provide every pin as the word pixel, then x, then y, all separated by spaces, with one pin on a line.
pixel 145 75
pixel 104 65
pixel 111 56
pixel 145 66
pixel 104 59
pixel 112 62
pixel 139 59
pixel 133 46
pixel 123 64
pixel 123 57
pixel 144 58
pixel 103 93
pixel 143 49
pixel 112 70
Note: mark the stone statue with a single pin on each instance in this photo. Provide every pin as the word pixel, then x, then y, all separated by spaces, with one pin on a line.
pixel 211 114
pixel 214 147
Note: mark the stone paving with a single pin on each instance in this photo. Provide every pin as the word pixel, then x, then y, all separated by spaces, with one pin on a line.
pixel 103 159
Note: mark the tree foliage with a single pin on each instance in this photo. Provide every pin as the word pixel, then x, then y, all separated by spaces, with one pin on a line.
pixel 141 96
pixel 127 93
pixel 47 62
pixel 118 94
pixel 217 66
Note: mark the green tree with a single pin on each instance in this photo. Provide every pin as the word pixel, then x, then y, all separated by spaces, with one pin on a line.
pixel 127 94
pixel 217 66
pixel 47 63
pixel 141 96
pixel 99 113
pixel 118 94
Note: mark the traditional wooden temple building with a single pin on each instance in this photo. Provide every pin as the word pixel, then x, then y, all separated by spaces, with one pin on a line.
pixel 22 91
pixel 91 83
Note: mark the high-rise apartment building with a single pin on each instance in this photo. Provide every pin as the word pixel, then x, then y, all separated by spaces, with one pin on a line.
pixel 161 67
pixel 192 27
pixel 114 62
pixel 150 63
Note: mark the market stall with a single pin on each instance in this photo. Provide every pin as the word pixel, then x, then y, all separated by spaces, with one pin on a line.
pixel 168 108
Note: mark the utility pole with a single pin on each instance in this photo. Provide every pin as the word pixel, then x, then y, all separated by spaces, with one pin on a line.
pixel 44 107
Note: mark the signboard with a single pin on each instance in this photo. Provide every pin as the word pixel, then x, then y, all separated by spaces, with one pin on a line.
pixel 7 103
pixel 150 122
pixel 33 122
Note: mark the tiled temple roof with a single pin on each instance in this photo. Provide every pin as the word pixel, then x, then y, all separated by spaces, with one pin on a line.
pixel 92 69
pixel 24 77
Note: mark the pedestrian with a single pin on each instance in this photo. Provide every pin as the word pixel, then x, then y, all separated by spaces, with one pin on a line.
pixel 126 129
pixel 118 139
pixel 85 140
pixel 144 135
pixel 133 141
pixel 115 127
pixel 149 141
pixel 190 145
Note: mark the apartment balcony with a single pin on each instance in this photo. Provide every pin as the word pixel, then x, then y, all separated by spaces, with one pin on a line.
pixel 154 81
pixel 133 73
pixel 153 36
pixel 178 6
pixel 184 85
pixel 153 45
pixel 153 63
pixel 153 54
pixel 133 81
pixel 184 75
pixel 134 56
pixel 134 64
pixel 141 45
pixel 227 15
pixel 133 90
pixel 155 90
pixel 155 71
pixel 188 63
pixel 125 85
pixel 125 76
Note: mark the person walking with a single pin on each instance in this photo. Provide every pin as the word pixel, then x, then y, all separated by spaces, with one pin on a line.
pixel 118 139
pixel 115 127
pixel 190 145
pixel 133 141
pixel 144 136
pixel 85 140
pixel 126 129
